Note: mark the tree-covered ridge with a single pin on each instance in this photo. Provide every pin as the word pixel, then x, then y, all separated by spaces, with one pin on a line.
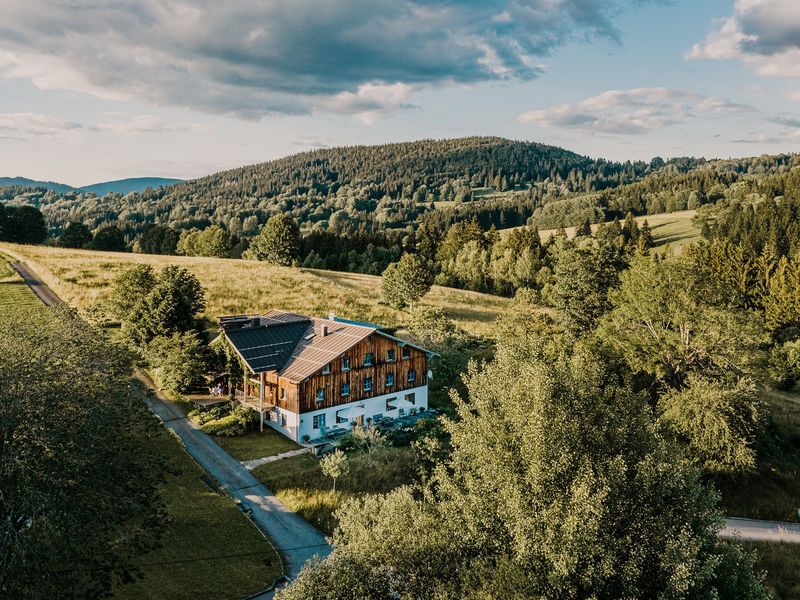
pixel 375 186
pixel 679 185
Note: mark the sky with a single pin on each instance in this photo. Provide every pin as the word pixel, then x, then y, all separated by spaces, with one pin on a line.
pixel 94 90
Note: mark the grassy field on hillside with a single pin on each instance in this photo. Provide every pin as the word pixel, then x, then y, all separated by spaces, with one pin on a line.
pixel 674 228
pixel 83 277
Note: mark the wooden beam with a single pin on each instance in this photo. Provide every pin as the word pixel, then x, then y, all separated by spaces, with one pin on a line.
pixel 261 400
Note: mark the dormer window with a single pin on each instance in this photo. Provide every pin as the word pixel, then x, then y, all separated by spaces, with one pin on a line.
pixel 389 379
pixel 406 352
pixel 345 363
pixel 390 355
pixel 368 359
pixel 368 384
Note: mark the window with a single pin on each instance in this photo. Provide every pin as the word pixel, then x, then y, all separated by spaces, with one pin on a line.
pixel 390 355
pixel 345 389
pixel 318 421
pixel 341 419
pixel 326 370
pixel 368 359
pixel 368 384
pixel 411 398
pixel 320 395
pixel 389 379
pixel 345 363
pixel 406 352
pixel 389 402
pixel 283 393
pixel 283 420
pixel 412 375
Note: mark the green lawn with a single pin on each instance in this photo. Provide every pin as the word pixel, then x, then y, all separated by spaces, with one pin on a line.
pixel 256 444
pixel 773 491
pixel 14 294
pixel 209 548
pixel 781 562
pixel 298 482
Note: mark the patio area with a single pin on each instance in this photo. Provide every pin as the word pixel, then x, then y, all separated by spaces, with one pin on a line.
pixel 330 436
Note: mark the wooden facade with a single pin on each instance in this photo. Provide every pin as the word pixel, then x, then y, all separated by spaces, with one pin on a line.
pixel 379 347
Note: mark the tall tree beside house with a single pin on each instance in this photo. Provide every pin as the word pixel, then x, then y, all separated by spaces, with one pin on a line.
pixel 79 504
pixel 558 486
pixel 76 235
pixel 405 282
pixel 150 305
pixel 278 242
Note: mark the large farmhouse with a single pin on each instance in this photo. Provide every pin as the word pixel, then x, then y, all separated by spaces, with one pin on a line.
pixel 309 376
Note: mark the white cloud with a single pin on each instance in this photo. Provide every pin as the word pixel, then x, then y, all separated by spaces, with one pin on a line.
pixel 763 34
pixel 25 126
pixel 631 112
pixel 144 124
pixel 257 57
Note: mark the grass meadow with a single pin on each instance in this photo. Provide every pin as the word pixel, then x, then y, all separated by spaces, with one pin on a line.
pixel 675 229
pixel 298 482
pixel 83 278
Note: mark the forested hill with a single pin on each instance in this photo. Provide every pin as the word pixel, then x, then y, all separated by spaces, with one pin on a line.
pixel 362 187
pixel 428 169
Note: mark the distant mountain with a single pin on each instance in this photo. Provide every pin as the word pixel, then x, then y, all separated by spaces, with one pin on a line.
pixel 126 186
pixel 60 188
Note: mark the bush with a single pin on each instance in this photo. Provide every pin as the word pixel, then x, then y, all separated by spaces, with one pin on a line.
pixel 229 425
pixel 226 426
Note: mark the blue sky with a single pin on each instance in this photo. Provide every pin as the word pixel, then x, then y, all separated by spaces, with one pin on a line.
pixel 92 90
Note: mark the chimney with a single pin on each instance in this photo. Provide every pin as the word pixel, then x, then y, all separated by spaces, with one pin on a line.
pixel 331 316
pixel 324 330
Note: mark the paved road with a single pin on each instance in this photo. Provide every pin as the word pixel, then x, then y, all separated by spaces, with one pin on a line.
pixel 754 530
pixel 39 288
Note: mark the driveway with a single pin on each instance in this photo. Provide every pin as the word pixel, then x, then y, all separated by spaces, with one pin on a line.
pixel 38 287
pixel 293 537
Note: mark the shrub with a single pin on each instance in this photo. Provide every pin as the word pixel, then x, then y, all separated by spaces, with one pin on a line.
pixel 233 424
pixel 226 426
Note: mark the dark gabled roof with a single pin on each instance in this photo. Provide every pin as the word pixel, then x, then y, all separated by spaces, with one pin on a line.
pixel 267 347
pixel 293 345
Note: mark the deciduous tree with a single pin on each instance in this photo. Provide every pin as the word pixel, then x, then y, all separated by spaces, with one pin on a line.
pixel 278 242
pixel 406 281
